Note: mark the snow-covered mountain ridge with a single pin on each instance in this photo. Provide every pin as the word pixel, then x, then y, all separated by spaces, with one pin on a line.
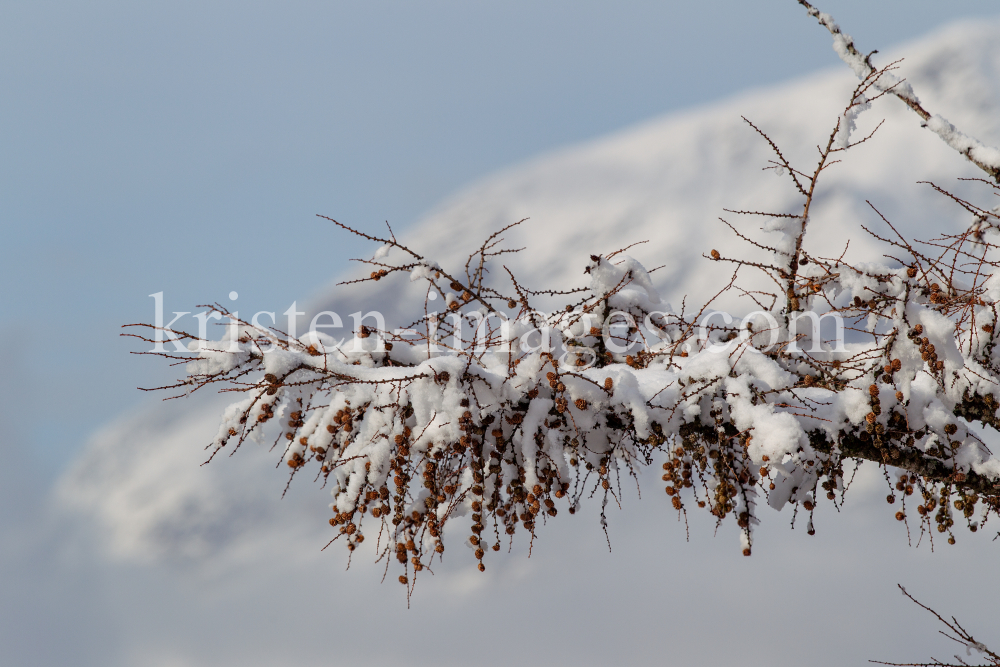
pixel 668 180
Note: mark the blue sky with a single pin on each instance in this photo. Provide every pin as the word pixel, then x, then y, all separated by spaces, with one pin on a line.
pixel 185 147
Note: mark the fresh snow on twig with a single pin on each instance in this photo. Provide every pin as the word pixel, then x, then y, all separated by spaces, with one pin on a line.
pixel 985 157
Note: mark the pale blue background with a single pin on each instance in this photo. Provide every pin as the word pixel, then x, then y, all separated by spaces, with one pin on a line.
pixel 186 146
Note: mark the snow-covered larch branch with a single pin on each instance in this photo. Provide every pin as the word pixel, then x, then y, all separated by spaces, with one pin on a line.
pixel 493 409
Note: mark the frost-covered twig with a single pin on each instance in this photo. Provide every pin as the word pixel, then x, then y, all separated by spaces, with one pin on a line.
pixel 957 634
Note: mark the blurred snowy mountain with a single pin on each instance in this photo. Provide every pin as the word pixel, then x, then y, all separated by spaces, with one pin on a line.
pixel 668 180
pixel 138 494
